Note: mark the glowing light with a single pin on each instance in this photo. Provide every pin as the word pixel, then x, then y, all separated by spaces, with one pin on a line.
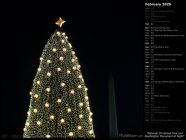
pixel 66 37
pixel 62 84
pixel 80 104
pixel 91 132
pixel 47 136
pixel 61 58
pixel 79 127
pixel 70 45
pixel 36 96
pixel 70 134
pixel 28 113
pixel 47 105
pixel 79 86
pixel 58 69
pixel 52 117
pixel 88 108
pixel 48 89
pixel 38 123
pixel 80 76
pixel 27 124
pixel 72 91
pixel 90 119
pixel 86 89
pixel 73 52
pixel 59 100
pixel 63 41
pixel 69 110
pixel 30 93
pixel 62 121
pixel 49 61
pixel 74 68
pixel 73 60
pixel 80 116
pixel 63 34
pixel 35 110
pixel 68 71
pixel 91 113
pixel 78 66
pixel 24 129
pixel 54 49
pixel 76 58
pixel 86 97
pixel 64 49
pixel 39 69
pixel 38 82
pixel 48 74
pixel 41 58
pixel 58 33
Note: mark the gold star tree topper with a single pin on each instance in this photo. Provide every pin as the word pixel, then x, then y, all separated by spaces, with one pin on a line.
pixel 60 22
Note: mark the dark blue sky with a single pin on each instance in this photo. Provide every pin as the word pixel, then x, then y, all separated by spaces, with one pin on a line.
pixel 107 37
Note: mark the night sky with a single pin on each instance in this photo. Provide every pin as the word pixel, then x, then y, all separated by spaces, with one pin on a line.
pixel 107 37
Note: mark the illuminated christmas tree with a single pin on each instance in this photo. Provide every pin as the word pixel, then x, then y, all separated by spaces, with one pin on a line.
pixel 59 105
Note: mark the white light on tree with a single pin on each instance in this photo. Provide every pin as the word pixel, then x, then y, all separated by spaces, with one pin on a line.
pixel 30 93
pixel 58 33
pixel 80 116
pixel 59 100
pixel 35 110
pixel 39 69
pixel 46 104
pixel 79 86
pixel 27 124
pixel 71 134
pixel 58 69
pixel 61 58
pixel 36 96
pixel 90 132
pixel 63 41
pixel 68 71
pixel 72 91
pixel 73 60
pixel 48 74
pixel 79 127
pixel 38 123
pixel 73 52
pixel 64 49
pixel 63 34
pixel 69 110
pixel 78 66
pixel 41 58
pixel 52 117
pixel 86 89
pixel 54 49
pixel 62 121
pixel 49 61
pixel 48 89
pixel 38 82
pixel 74 68
pixel 62 84
pixel 47 136
pixel 80 104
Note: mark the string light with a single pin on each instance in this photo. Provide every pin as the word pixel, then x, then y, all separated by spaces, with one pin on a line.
pixel 46 104
pixel 70 134
pixel 73 52
pixel 28 113
pixel 76 58
pixel 27 124
pixel 79 127
pixel 86 89
pixel 24 129
pixel 68 110
pixel 48 74
pixel 91 132
pixel 63 33
pixel 30 93
pixel 70 45
pixel 86 97
pixel 62 121
pixel 80 76
pixel 41 58
pixel 58 33
pixel 38 123
pixel 72 91
pixel 73 60
pixel 91 113
pixel 48 89
pixel 66 37
pixel 54 49
pixel 35 110
pixel 80 116
pixel 39 69
pixel 49 61
pixel 88 108
pixel 62 84
pixel 79 86
pixel 47 136
pixel 59 100
pixel 74 68
pixel 78 66
pixel 63 41
pixel 80 104
pixel 58 69
pixel 38 82
pixel 90 119
pixel 52 117
pixel 68 71
pixel 64 49
pixel 61 58
pixel 36 96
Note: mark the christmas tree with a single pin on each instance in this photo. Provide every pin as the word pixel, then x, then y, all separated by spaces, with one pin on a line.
pixel 59 105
